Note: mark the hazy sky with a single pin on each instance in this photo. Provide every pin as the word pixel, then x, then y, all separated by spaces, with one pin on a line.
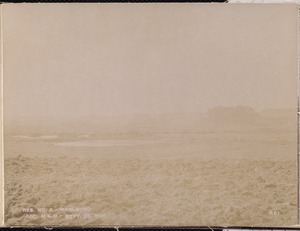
pixel 112 59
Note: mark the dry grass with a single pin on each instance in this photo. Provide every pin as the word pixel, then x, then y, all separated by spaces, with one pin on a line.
pixel 144 191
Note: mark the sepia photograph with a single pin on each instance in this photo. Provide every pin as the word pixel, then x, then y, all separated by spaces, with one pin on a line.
pixel 157 114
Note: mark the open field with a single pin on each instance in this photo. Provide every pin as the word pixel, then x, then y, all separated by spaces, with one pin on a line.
pixel 176 179
pixel 152 192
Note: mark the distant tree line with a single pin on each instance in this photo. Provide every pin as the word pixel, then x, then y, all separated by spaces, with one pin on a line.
pixel 233 115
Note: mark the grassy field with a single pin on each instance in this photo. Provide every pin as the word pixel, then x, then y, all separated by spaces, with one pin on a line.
pixel 190 179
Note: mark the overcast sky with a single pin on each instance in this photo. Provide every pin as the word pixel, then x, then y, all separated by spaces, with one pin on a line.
pixel 112 59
